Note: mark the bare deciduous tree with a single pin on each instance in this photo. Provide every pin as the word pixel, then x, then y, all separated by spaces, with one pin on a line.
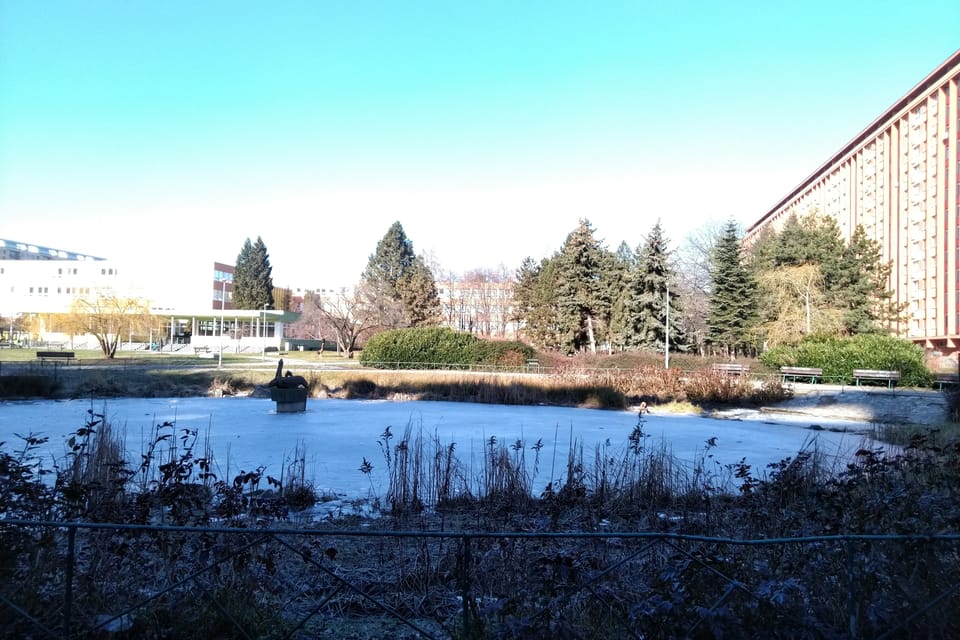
pixel 796 304
pixel 346 316
pixel 693 280
pixel 108 317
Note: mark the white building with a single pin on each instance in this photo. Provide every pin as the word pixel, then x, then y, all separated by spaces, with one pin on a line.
pixel 37 282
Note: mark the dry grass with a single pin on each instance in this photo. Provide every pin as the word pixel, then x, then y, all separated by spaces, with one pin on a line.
pixel 625 486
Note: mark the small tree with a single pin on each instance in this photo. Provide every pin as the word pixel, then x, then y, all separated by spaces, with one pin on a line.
pixel 693 281
pixel 794 305
pixel 108 317
pixel 347 314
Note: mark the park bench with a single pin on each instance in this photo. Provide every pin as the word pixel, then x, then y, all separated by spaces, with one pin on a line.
pixel 55 355
pixel 203 352
pixel 946 380
pixel 533 365
pixel 731 369
pixel 890 377
pixel 810 373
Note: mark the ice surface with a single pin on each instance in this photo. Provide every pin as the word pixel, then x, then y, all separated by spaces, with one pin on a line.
pixel 246 433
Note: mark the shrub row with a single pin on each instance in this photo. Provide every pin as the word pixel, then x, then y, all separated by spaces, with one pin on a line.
pixel 438 347
pixel 838 357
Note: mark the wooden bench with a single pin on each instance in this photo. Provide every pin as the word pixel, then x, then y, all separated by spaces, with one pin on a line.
pixel 55 355
pixel 731 369
pixel 810 373
pixel 946 380
pixel 203 352
pixel 890 377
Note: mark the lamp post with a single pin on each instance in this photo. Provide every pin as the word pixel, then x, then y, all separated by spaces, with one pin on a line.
pixel 223 303
pixel 263 352
pixel 666 337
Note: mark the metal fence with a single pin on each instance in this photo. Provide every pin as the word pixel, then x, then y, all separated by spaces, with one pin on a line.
pixel 79 580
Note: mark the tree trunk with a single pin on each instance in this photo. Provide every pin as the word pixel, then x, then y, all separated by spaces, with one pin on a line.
pixel 591 339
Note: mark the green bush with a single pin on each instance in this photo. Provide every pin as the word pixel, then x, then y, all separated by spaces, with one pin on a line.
pixel 439 348
pixel 503 353
pixel 838 357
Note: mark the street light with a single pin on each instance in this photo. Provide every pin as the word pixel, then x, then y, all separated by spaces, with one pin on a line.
pixel 666 337
pixel 223 303
pixel 263 352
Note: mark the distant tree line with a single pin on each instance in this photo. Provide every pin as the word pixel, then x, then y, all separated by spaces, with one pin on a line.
pixel 803 280
pixel 588 298
pixel 715 297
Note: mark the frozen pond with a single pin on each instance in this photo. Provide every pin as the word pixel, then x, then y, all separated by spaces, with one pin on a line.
pixel 337 435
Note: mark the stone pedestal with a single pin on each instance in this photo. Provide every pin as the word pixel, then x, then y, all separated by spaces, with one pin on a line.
pixel 289 400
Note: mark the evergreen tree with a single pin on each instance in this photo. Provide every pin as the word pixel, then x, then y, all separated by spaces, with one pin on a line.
pixel 253 277
pixel 649 288
pixel 733 299
pixel 523 290
pixel 654 278
pixel 418 293
pixel 535 304
pixel 581 295
pixel 868 302
pixel 855 284
pixel 625 263
pixel 399 283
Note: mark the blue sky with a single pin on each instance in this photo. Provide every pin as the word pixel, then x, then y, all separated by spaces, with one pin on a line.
pixel 170 130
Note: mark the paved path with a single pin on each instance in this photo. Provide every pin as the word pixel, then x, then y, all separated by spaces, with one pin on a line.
pixel 865 404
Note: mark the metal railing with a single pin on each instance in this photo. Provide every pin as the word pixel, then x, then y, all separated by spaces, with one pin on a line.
pixel 73 579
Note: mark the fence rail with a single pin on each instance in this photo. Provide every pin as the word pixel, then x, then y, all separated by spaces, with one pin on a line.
pixel 73 579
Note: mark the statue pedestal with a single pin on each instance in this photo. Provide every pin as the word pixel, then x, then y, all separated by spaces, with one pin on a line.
pixel 289 400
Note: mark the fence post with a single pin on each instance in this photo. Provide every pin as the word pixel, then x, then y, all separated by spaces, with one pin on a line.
pixel 465 562
pixel 68 581
pixel 852 614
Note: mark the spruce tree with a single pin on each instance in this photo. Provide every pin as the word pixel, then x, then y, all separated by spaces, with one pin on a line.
pixel 625 262
pixel 733 299
pixel 649 289
pixel 867 299
pixel 400 284
pixel 535 307
pixel 253 277
pixel 418 293
pixel 581 295
pixel 523 290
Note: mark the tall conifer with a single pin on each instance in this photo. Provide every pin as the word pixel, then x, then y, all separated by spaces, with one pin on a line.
pixel 400 283
pixel 733 299
pixel 253 277
pixel 581 295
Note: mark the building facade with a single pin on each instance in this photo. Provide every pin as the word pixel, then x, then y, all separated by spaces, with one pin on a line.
pixel 898 180
pixel 13 250
pixel 482 307
pixel 37 284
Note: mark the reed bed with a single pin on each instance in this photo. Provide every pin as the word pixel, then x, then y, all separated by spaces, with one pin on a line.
pixel 563 386
pixel 619 486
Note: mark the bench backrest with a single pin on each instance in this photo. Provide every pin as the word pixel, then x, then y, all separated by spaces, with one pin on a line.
pixel 876 373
